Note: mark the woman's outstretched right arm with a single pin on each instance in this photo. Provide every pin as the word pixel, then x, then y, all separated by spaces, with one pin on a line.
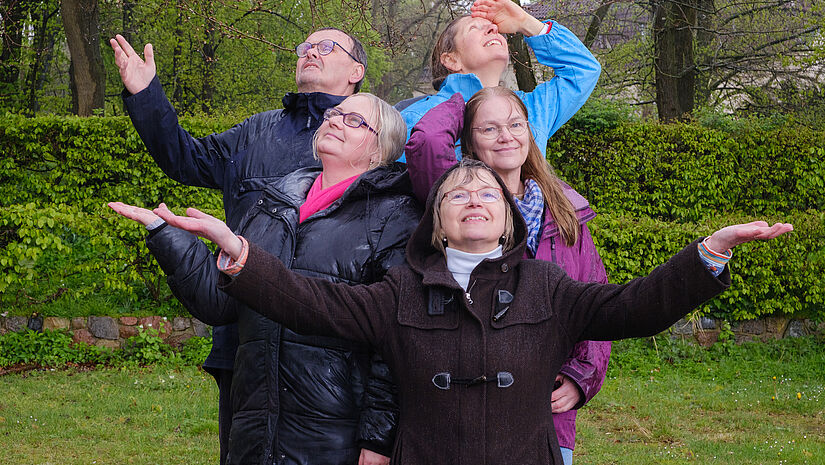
pixel 189 266
pixel 306 305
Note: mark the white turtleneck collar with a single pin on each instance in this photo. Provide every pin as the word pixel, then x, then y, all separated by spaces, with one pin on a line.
pixel 461 264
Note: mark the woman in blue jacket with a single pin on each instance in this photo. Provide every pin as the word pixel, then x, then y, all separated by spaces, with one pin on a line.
pixel 471 53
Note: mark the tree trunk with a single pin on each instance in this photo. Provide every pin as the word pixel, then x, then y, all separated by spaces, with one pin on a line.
pixel 522 64
pixel 177 64
pixel 86 73
pixel 208 51
pixel 12 14
pixel 43 46
pixel 675 73
pixel 129 24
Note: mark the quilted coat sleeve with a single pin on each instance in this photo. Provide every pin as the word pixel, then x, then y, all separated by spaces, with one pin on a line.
pixel 190 161
pixel 362 313
pixel 192 274
pixel 379 418
pixel 430 150
pixel 587 364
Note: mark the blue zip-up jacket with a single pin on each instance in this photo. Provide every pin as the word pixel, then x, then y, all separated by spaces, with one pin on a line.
pixel 551 104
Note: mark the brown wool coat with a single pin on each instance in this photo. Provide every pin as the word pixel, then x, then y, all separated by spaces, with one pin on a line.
pixel 482 423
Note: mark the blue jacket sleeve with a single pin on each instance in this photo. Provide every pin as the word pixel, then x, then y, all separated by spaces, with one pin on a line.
pixel 192 274
pixel 554 102
pixel 190 161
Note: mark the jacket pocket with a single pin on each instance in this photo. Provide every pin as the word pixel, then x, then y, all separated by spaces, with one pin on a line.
pixel 524 310
pixel 434 308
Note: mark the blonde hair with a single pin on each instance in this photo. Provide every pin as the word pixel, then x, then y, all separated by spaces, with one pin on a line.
pixel 462 174
pixel 535 167
pixel 390 126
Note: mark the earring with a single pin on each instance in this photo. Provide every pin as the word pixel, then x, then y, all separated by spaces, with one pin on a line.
pixel 502 239
pixel 444 241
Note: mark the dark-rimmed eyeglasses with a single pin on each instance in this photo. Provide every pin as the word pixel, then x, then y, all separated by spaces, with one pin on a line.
pixel 492 131
pixel 462 196
pixel 325 47
pixel 353 120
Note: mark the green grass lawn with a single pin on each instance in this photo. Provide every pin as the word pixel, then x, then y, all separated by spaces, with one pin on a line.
pixel 678 405
pixel 109 416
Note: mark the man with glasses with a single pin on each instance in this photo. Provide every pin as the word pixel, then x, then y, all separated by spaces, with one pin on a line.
pixel 241 161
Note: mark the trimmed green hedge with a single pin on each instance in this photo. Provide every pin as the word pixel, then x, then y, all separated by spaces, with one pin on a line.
pixel 656 187
pixel 59 242
pixel 784 276
pixel 686 172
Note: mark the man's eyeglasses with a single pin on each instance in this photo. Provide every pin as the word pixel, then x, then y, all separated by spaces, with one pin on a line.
pixel 462 196
pixel 324 48
pixel 515 128
pixel 353 120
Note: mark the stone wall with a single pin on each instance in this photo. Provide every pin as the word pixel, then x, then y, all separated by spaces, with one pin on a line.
pixel 706 330
pixel 111 332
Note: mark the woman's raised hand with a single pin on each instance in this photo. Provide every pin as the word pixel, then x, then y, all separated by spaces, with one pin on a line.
pixel 206 226
pixel 507 16
pixel 143 216
pixel 731 236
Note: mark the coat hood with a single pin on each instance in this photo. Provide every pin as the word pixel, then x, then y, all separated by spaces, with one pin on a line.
pixel 420 252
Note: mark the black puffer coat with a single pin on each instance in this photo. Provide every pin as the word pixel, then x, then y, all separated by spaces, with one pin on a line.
pixel 304 399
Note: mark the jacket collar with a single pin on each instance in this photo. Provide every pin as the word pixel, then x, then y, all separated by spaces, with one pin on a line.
pixel 315 103
pixel 580 205
pixel 384 180
pixel 466 84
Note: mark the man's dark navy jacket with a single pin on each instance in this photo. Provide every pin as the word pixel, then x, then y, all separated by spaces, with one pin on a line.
pixel 239 161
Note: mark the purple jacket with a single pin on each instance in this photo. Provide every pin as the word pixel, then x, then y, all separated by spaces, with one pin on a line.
pixel 430 152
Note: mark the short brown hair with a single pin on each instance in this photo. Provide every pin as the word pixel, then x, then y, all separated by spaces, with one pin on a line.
pixel 535 167
pixel 463 173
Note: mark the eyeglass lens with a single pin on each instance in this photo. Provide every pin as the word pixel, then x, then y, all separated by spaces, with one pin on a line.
pixel 324 47
pixel 515 128
pixel 462 196
pixel 353 120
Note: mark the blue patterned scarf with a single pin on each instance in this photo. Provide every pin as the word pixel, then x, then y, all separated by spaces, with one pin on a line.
pixel 531 208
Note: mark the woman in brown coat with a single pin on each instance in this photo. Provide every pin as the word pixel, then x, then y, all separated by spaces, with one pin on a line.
pixel 474 339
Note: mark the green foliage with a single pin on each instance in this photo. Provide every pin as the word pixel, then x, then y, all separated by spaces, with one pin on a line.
pixel 147 347
pixel 785 276
pixel 49 348
pixel 655 353
pixel 59 239
pixel 689 173
pixel 55 349
pixel 599 114
pixel 195 350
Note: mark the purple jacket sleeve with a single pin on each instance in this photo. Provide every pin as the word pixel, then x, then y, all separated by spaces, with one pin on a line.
pixel 587 364
pixel 430 150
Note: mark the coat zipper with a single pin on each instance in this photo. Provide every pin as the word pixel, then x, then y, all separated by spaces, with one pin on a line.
pixel 467 293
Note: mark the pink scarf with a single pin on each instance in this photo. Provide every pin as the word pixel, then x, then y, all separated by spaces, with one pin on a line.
pixel 319 199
